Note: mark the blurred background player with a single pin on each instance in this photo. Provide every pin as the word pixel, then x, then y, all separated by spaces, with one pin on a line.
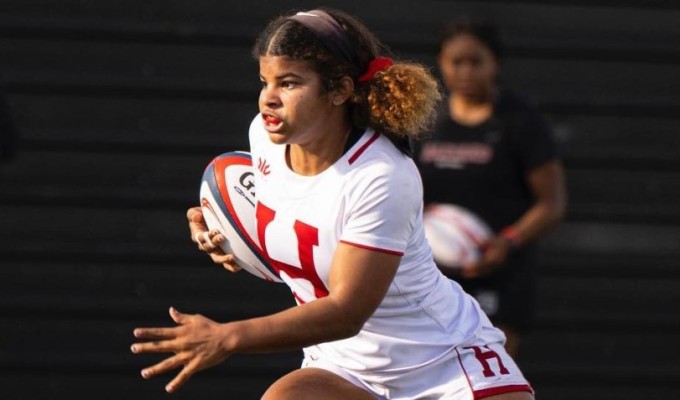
pixel 492 153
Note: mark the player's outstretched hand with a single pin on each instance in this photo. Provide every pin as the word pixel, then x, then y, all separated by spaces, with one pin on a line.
pixel 196 342
pixel 209 240
pixel 493 256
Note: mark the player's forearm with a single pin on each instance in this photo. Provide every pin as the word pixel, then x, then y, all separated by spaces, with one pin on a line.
pixel 538 220
pixel 316 322
pixel 548 187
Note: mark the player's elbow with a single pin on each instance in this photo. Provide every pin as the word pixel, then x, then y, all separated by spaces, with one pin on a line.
pixel 553 209
pixel 555 213
pixel 350 325
pixel 348 322
pixel 354 327
pixel 559 208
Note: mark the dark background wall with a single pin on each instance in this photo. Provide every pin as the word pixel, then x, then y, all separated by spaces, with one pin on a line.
pixel 120 105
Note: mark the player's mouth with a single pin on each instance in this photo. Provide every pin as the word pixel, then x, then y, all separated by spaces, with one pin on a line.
pixel 271 123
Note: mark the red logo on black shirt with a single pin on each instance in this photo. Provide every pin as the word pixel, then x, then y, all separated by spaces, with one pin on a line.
pixel 455 155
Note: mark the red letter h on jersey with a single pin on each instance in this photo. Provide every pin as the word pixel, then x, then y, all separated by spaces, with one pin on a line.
pixel 484 356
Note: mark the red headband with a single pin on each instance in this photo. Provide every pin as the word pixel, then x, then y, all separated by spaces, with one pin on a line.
pixel 376 65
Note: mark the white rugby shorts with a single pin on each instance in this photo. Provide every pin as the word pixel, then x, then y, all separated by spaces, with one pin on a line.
pixel 467 372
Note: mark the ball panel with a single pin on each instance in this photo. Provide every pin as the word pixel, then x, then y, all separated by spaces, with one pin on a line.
pixel 228 202
pixel 455 234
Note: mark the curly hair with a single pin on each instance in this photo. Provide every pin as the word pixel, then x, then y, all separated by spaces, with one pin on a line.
pixel 399 102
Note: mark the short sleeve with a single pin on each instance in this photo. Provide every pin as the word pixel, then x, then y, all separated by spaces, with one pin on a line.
pixel 383 208
pixel 535 141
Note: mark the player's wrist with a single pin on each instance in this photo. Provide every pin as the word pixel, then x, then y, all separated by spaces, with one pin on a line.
pixel 511 237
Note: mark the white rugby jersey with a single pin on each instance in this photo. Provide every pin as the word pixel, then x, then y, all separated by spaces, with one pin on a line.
pixel 370 198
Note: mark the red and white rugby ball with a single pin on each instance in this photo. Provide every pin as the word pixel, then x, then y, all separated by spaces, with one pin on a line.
pixel 455 234
pixel 228 202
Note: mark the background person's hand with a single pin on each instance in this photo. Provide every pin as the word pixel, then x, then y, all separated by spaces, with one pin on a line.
pixel 495 253
pixel 196 341
pixel 209 241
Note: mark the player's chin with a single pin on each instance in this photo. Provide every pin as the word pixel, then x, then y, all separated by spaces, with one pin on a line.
pixel 467 91
pixel 278 137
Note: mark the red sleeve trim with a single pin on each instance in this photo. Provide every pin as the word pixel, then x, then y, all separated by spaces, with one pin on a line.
pixel 363 148
pixel 361 246
pixel 494 391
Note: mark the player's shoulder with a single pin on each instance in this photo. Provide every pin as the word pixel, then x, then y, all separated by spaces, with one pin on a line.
pixel 374 158
pixel 509 100
pixel 375 150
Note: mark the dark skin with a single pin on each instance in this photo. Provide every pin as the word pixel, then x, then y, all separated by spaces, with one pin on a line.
pixel 470 69
pixel 314 124
pixel 547 186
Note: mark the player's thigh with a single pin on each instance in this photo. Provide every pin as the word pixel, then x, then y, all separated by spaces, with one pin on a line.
pixel 314 384
pixel 512 396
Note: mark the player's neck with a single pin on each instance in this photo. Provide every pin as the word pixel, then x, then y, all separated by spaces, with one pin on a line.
pixel 470 111
pixel 313 158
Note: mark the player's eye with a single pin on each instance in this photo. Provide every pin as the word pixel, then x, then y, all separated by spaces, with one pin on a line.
pixel 476 62
pixel 288 84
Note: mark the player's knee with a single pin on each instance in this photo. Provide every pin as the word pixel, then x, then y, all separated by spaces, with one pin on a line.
pixel 292 386
pixel 513 396
pixel 313 384
pixel 277 391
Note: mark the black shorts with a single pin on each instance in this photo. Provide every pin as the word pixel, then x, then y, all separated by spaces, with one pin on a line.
pixel 506 296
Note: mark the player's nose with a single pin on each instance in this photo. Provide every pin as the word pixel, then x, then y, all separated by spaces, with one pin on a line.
pixel 269 97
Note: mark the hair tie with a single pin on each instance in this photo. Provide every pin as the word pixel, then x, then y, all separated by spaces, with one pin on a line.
pixel 376 65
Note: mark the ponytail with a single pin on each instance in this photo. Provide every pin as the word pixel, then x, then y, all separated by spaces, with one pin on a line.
pixel 399 101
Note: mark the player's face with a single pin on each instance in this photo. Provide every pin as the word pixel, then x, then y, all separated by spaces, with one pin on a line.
pixel 468 67
pixel 293 104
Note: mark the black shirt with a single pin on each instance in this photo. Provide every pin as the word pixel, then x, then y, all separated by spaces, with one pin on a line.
pixel 484 168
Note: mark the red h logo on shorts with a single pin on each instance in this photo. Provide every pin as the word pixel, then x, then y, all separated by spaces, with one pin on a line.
pixel 484 356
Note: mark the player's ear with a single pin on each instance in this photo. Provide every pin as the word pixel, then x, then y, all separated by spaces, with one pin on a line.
pixel 343 91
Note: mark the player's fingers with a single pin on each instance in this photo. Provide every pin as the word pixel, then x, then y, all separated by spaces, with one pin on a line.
pixel 232 267
pixel 202 237
pixel 178 317
pixel 166 365
pixel 469 274
pixel 197 238
pixel 470 270
pixel 156 346
pixel 227 260
pixel 217 237
pixel 213 237
pixel 195 214
pixel 183 376
pixel 208 240
pixel 155 333
pixel 482 268
pixel 196 232
pixel 196 222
